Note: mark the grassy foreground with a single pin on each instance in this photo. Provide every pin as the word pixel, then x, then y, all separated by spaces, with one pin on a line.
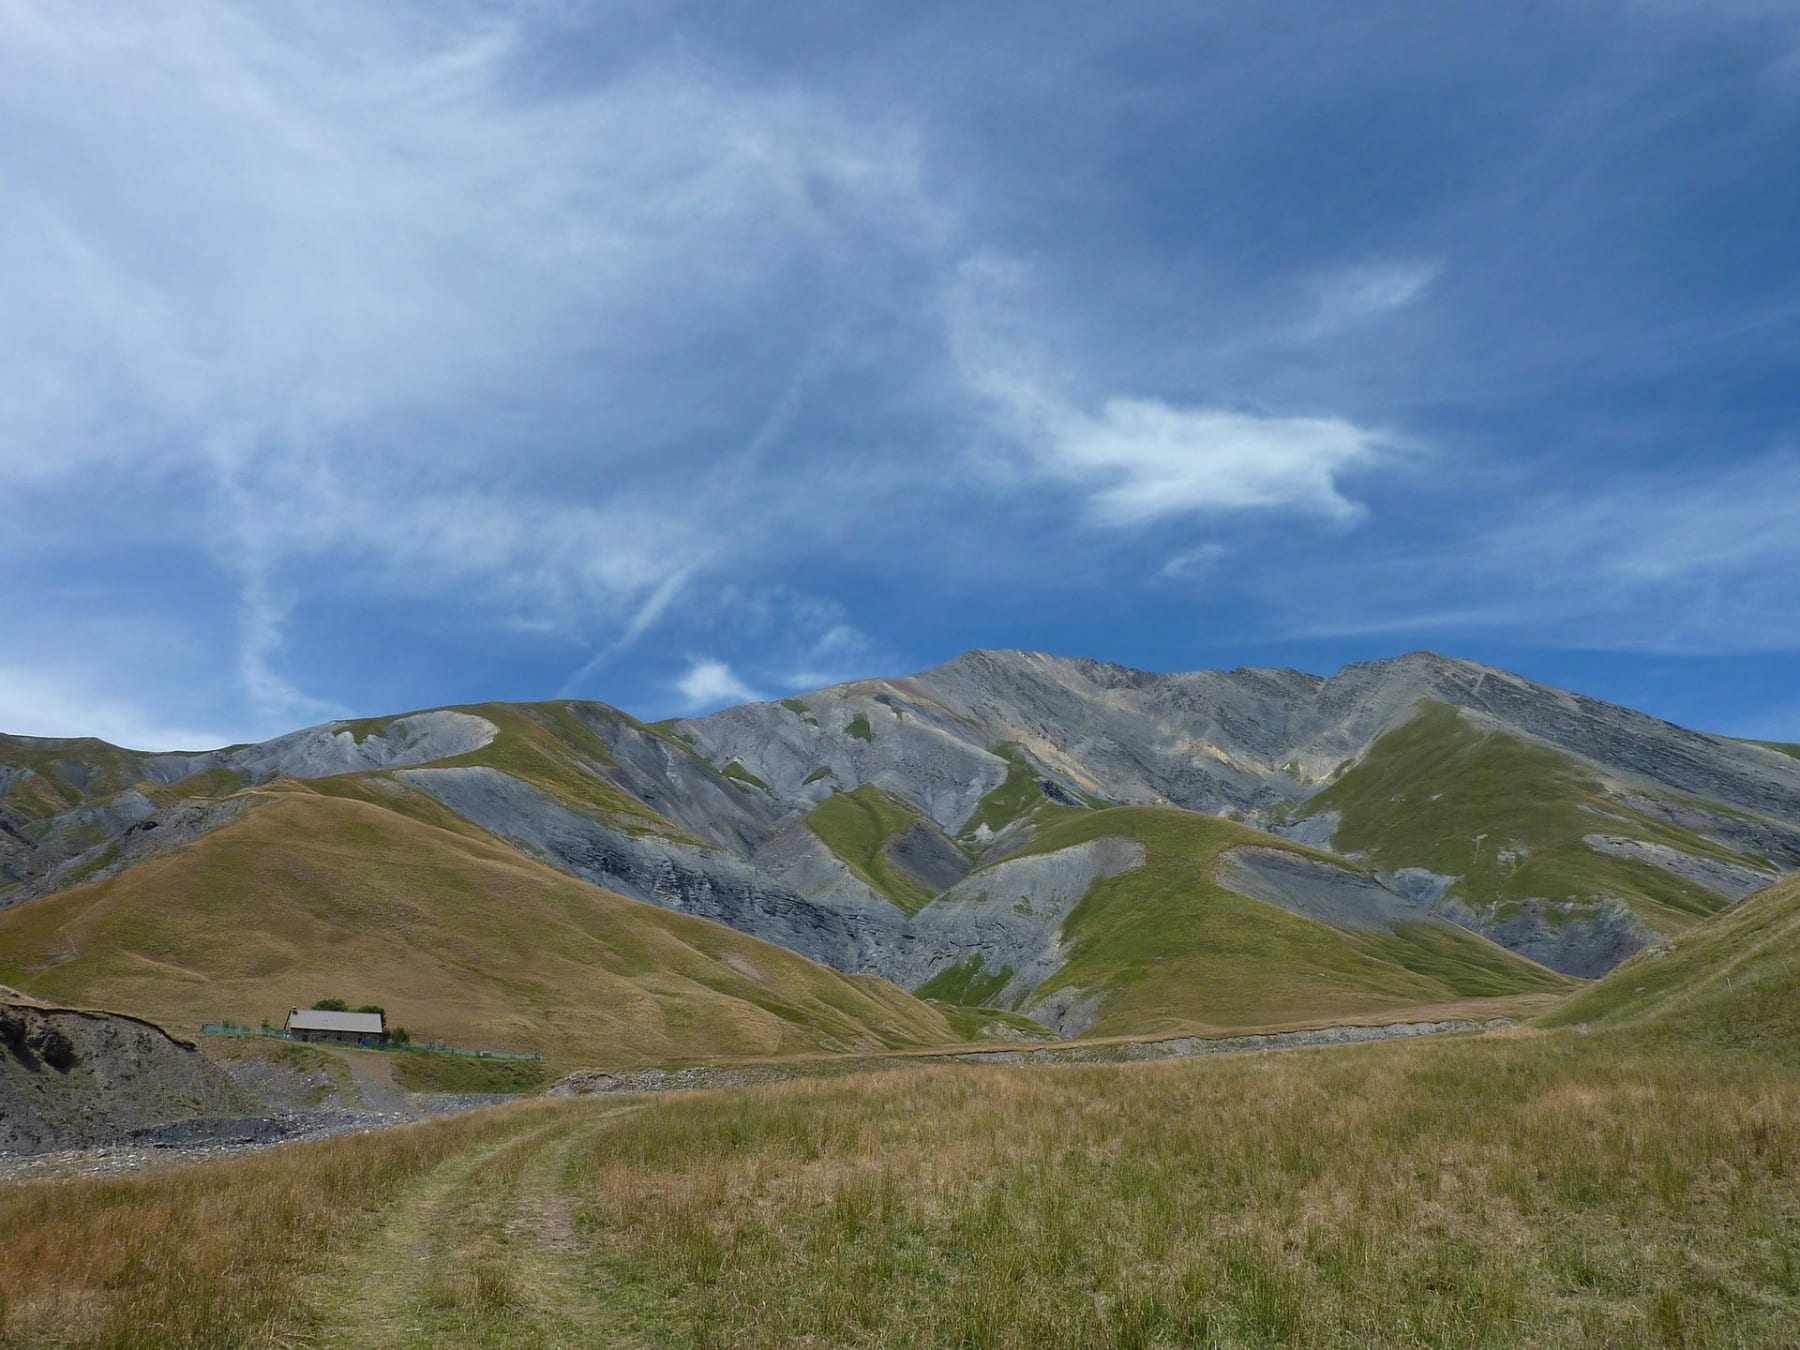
pixel 1538 1189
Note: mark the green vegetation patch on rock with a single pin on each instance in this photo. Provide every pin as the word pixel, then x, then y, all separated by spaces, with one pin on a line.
pixel 738 773
pixel 1732 981
pixel 967 983
pixel 858 827
pixel 859 727
pixel 1017 796
pixel 65 774
pixel 214 782
pixel 552 748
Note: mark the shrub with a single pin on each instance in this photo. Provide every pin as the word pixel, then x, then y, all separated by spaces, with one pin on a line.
pixel 331 1005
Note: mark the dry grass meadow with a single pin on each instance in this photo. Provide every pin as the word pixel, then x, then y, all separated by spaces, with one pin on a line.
pixel 1521 1189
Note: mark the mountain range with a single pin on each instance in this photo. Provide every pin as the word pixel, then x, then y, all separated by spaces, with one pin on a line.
pixel 1007 844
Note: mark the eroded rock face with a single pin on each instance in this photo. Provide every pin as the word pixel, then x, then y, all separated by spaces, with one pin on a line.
pixel 1252 743
pixel 678 876
pixel 1585 940
pixel 71 1079
pixel 318 752
pixel 1716 874
pixel 60 857
pixel 1009 913
pixel 1319 890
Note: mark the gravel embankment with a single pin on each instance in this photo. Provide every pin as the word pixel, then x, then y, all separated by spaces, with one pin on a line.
pixel 210 1139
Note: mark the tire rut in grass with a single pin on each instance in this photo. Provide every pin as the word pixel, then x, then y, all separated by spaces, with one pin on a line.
pixel 482 1252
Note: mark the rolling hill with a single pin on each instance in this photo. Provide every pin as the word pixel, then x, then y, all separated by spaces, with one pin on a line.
pixel 328 893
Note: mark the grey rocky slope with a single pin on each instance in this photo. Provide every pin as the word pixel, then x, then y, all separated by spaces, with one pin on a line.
pixel 71 1078
pixel 1206 740
pixel 956 768
pixel 1260 744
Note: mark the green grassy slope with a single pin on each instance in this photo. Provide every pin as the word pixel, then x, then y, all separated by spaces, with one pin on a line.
pixel 1507 816
pixel 860 827
pixel 332 893
pixel 1172 947
pixel 1732 981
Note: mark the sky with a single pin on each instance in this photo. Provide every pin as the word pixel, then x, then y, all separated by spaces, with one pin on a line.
pixel 358 358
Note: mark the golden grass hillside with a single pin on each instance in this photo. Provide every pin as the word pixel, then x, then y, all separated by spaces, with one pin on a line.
pixel 1527 1189
pixel 314 895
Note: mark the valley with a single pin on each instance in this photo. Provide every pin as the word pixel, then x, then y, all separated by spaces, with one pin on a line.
pixel 1045 1000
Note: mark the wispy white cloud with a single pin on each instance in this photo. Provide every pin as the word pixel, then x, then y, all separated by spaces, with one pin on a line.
pixel 1191 564
pixel 709 683
pixel 362 220
pixel 1139 459
pixel 1353 295
pixel 1142 459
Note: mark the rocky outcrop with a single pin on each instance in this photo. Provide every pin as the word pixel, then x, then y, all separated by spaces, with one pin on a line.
pixel 677 876
pixel 70 1078
pixel 337 747
pixel 1205 740
pixel 1010 915
pixel 1319 890
pixel 63 857
pixel 1577 939
pixel 1716 874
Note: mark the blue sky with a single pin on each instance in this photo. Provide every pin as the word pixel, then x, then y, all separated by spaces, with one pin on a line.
pixel 357 358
